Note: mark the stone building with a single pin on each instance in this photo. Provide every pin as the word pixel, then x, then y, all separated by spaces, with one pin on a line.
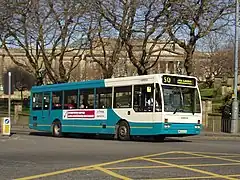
pixel 170 61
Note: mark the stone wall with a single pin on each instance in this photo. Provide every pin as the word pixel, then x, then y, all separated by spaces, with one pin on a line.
pixel 214 122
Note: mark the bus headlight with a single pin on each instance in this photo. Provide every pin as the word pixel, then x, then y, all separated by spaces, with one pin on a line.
pixel 197 127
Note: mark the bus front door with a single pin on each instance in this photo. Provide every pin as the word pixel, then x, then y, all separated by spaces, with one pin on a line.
pixel 46 110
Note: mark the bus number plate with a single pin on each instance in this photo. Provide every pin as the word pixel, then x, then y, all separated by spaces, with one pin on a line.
pixel 182 131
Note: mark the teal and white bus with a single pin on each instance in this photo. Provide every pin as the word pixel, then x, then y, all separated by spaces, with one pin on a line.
pixel 159 105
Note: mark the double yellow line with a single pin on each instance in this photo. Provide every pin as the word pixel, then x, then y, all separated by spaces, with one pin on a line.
pixel 145 158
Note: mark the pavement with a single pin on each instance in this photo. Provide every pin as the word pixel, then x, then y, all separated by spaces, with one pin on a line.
pixel 35 156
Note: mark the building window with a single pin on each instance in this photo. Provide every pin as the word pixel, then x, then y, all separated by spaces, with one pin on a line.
pixel 104 98
pixel 123 97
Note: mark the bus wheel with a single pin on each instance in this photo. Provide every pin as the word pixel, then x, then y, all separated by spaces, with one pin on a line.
pixel 57 129
pixel 123 131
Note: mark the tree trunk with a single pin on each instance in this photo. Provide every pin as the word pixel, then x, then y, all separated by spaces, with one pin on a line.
pixel 39 81
pixel 142 71
pixel 107 73
pixel 188 64
pixel 22 96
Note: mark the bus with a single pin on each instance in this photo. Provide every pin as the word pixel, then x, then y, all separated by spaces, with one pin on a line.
pixel 156 105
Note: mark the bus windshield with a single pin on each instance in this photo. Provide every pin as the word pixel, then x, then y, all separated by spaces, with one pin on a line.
pixel 181 99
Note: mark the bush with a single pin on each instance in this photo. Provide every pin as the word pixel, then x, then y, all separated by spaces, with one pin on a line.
pixel 209 93
pixel 217 107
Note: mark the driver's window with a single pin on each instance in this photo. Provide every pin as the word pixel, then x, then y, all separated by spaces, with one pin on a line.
pixel 172 98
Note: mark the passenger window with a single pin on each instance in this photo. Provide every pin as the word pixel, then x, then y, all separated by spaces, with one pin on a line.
pixel 57 100
pixel 104 98
pixel 143 98
pixel 123 97
pixel 46 101
pixel 37 101
pixel 86 99
pixel 70 99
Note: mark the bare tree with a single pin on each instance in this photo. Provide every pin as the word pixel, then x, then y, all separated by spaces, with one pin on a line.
pixel 21 34
pixel 5 14
pixel 215 59
pixel 104 47
pixel 195 20
pixel 21 80
pixel 62 28
pixel 45 30
pixel 219 64
pixel 141 26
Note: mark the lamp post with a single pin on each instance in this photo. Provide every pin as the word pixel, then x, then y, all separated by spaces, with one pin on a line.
pixel 234 123
pixel 9 94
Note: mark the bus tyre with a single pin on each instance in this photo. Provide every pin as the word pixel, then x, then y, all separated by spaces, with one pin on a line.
pixel 123 131
pixel 57 129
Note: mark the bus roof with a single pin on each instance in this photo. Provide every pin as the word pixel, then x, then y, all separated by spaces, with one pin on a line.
pixel 96 83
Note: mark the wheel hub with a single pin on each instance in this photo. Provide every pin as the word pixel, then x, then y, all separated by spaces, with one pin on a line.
pixel 56 129
pixel 123 131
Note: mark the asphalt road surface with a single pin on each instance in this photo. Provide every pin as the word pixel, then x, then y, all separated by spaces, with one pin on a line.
pixel 44 157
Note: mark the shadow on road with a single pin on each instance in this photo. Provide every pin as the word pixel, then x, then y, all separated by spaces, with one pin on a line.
pixel 111 138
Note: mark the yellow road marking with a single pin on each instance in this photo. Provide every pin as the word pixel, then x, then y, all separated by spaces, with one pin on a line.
pixel 111 173
pixel 90 166
pixel 183 178
pixel 164 166
pixel 193 157
pixel 212 153
pixel 190 169
pixel 199 177
pixel 212 157
pixel 52 173
pixel 206 165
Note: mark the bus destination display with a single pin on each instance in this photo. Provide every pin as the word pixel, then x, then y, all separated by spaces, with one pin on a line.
pixel 178 80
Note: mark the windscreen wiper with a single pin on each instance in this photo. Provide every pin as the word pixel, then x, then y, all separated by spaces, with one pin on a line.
pixel 177 109
pixel 193 112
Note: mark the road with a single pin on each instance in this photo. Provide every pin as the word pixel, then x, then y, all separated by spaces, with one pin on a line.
pixel 45 157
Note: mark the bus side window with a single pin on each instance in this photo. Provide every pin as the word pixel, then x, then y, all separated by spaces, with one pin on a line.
pixel 37 101
pixel 46 101
pixel 57 100
pixel 123 97
pixel 143 98
pixel 86 99
pixel 70 99
pixel 104 98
